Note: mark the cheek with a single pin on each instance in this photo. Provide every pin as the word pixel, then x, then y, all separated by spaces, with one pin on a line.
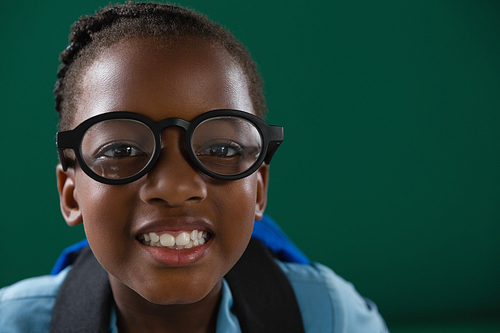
pixel 105 216
pixel 241 194
pixel 237 211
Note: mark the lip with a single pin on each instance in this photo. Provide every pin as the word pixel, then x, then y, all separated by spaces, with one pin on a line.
pixel 171 257
pixel 177 258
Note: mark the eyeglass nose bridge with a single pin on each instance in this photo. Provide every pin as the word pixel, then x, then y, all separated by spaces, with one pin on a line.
pixel 160 126
pixel 158 129
pixel 172 122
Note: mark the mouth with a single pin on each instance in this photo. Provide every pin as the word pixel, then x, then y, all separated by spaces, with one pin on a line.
pixel 178 240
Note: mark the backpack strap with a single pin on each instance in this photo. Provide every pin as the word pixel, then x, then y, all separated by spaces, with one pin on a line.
pixel 264 300
pixel 83 303
pixel 270 234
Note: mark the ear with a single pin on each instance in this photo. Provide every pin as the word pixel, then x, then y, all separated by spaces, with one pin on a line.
pixel 67 196
pixel 262 182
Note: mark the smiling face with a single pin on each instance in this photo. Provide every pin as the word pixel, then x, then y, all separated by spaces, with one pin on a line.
pixel 181 80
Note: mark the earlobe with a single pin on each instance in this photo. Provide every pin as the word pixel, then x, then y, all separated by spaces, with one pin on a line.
pixel 70 208
pixel 262 182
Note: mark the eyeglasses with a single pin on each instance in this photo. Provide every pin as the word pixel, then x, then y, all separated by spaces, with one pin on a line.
pixel 121 147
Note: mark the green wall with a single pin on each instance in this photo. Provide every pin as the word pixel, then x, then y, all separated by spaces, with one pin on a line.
pixel 390 169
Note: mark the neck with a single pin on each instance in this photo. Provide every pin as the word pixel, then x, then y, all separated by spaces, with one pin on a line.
pixel 136 314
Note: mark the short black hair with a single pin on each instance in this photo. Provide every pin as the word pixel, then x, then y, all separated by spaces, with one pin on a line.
pixel 163 22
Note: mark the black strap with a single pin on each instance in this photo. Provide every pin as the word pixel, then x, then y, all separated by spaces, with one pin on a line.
pixel 264 300
pixel 263 297
pixel 84 301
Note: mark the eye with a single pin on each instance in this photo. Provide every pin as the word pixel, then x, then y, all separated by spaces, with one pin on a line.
pixel 224 149
pixel 119 150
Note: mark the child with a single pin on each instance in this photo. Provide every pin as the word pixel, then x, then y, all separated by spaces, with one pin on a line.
pixel 165 159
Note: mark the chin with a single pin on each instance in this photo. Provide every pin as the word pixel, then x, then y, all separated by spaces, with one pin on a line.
pixel 175 294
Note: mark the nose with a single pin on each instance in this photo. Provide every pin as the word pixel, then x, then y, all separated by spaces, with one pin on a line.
pixel 173 181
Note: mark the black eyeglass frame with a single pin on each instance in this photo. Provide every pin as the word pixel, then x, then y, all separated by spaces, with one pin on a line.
pixel 272 137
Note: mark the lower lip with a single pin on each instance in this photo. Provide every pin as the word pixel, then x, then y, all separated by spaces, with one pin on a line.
pixel 177 258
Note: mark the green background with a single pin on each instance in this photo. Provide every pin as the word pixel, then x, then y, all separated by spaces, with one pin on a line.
pixel 390 169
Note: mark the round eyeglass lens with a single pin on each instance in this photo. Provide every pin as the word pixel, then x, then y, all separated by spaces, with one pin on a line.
pixel 117 148
pixel 227 145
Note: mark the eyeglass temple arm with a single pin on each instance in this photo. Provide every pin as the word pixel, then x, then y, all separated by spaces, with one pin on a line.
pixel 274 142
pixel 62 140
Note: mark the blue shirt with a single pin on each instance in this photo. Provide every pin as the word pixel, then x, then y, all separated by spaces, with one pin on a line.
pixel 326 301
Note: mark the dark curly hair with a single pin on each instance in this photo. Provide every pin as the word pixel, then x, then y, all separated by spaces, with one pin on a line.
pixel 159 21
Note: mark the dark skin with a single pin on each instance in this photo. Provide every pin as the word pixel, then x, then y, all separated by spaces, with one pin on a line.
pixel 182 80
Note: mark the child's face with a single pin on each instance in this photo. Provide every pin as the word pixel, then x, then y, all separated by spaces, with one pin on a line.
pixel 182 81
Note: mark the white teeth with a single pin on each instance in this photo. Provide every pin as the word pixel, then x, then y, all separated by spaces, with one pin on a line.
pixel 154 237
pixel 167 240
pixel 183 240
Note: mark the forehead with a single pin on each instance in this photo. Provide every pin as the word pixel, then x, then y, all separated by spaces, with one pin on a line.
pixel 180 79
